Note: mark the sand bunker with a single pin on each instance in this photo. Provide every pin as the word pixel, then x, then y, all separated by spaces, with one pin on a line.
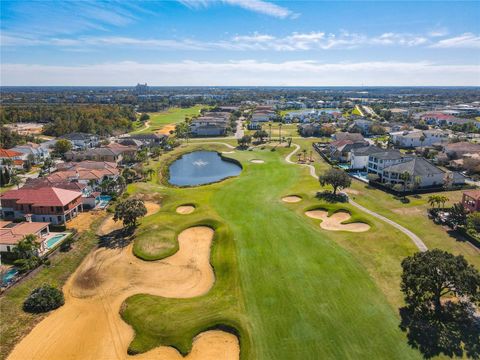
pixel 89 325
pixel 292 199
pixel 257 161
pixel 109 225
pixel 209 345
pixel 334 222
pixel 185 209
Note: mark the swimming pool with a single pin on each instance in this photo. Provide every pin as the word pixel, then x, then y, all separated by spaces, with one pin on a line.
pixel 103 201
pixel 55 240
pixel 9 275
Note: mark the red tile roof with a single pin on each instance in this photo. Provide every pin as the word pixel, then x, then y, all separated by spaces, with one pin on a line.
pixel 11 233
pixel 4 153
pixel 47 196
pixel 475 194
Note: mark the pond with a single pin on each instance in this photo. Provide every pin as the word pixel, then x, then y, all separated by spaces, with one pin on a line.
pixel 201 167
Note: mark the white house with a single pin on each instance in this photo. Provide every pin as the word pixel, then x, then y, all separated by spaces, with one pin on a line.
pixel 82 141
pixel 359 156
pixel 416 138
pixel 417 168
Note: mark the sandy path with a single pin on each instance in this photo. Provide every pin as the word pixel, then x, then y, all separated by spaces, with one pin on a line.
pixel 89 326
pixel 292 199
pixel 185 209
pixel 334 222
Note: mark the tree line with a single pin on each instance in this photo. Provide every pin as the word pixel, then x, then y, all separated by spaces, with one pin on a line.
pixel 60 120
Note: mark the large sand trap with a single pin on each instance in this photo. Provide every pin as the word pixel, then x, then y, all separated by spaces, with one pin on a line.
pixel 89 325
pixel 334 222
pixel 292 199
pixel 209 345
pixel 109 225
pixel 185 209
pixel 257 161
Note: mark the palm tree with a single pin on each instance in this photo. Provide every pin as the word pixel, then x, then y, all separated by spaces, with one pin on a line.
pixel 270 134
pixel 280 132
pixel 442 199
pixel 15 180
pixel 150 172
pixel 406 178
pixel 304 151
pixel 432 200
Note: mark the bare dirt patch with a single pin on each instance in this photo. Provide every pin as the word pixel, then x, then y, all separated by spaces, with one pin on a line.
pixel 257 161
pixel 84 220
pixel 209 345
pixel 109 225
pixel 334 222
pixel 89 325
pixel 292 199
pixel 352 191
pixel 185 209
pixel 166 130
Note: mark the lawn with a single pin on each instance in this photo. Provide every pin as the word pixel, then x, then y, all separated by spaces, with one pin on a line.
pixel 288 130
pixel 288 288
pixel 159 120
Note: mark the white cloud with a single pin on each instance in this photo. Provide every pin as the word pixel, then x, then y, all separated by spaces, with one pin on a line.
pixel 467 40
pixel 315 40
pixel 245 72
pixel 258 6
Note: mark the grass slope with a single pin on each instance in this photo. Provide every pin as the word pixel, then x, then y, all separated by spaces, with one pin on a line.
pixel 298 294
pixel 171 116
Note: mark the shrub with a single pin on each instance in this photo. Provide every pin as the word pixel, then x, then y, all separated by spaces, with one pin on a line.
pixel 43 299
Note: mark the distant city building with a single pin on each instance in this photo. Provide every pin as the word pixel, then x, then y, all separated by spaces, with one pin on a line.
pixel 141 89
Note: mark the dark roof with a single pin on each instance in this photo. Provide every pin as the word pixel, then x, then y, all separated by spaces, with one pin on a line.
pixel 366 150
pixel 388 155
pixel 415 167
pixel 147 137
pixel 77 136
pixel 349 136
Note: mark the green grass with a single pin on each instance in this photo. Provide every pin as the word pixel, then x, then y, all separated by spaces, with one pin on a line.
pixel 14 322
pixel 171 116
pixel 290 289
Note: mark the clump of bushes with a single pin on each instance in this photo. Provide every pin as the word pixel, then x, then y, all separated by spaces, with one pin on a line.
pixel 43 299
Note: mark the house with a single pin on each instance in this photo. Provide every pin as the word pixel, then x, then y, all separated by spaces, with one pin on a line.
pixel 359 156
pixel 47 204
pixel 148 140
pixel 15 157
pixel 212 125
pixel 12 233
pixel 32 151
pixel 363 125
pixel 436 118
pixel 419 169
pixel 90 198
pixel 340 150
pixel 82 141
pixel 109 153
pixel 416 138
pixel 471 200
pixel 379 160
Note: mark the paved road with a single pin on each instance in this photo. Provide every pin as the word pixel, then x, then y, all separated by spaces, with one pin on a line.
pixel 415 239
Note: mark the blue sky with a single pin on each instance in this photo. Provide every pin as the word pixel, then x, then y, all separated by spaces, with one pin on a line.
pixel 240 42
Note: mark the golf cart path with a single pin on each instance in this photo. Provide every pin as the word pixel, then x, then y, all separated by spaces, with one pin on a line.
pixel 416 240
